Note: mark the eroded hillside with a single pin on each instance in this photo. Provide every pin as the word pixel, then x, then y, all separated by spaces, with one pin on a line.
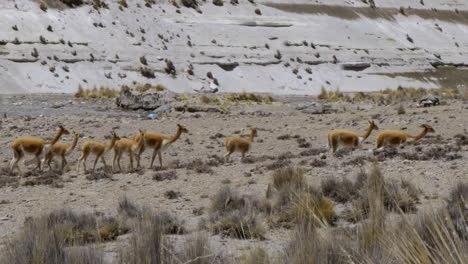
pixel 274 46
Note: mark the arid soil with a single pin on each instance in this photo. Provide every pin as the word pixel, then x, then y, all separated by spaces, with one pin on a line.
pixel 285 136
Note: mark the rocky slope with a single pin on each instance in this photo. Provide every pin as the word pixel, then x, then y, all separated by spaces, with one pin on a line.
pixel 273 46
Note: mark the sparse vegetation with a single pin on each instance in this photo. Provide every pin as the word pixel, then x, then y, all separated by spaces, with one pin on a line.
pixel 96 93
pixel 44 239
pixel 149 87
pixel 235 216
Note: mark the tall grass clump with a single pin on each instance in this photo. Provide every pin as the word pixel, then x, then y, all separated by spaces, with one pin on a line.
pixel 236 216
pixel 296 201
pixel 147 245
pixel 46 239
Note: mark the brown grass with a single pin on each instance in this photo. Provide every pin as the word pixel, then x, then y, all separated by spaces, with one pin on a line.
pixel 96 93
pixel 236 216
pixel 390 96
pixel 45 239
pixel 149 87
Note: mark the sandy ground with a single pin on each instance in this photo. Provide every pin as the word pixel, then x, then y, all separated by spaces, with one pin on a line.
pixel 36 116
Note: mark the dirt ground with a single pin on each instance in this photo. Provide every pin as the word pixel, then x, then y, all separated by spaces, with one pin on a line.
pixel 39 115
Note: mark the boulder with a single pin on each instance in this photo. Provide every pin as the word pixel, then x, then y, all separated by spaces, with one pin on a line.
pixel 429 101
pixel 133 100
pixel 309 107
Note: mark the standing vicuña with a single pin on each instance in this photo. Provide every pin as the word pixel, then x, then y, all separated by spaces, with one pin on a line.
pixel 130 146
pixel 62 150
pixel 398 137
pixel 348 138
pixel 97 148
pixel 239 144
pixel 158 143
pixel 33 146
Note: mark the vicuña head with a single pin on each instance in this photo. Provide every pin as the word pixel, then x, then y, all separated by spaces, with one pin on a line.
pixel 399 137
pixel 158 143
pixel 348 138
pixel 239 144
pixel 98 149
pixel 62 150
pixel 33 146
pixel 130 146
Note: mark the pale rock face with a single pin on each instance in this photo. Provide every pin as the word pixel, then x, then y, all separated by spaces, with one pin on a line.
pixel 335 44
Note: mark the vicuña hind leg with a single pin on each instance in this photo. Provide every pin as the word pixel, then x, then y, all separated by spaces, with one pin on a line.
pixel 160 159
pixel 103 161
pixel 130 156
pixel 17 155
pixel 152 158
pixel 226 156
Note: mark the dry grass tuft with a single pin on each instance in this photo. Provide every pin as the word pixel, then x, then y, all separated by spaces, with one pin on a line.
pixel 296 201
pixel 128 208
pixel 46 239
pixel 236 216
pixel 340 191
pixel 458 209
pixel 149 87
pixel 96 93
pixel 288 175
pixel 308 246
pixel 256 256
pixel 147 244
pixel 197 250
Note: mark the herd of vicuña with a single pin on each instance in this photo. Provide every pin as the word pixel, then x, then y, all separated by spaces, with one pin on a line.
pixel 158 143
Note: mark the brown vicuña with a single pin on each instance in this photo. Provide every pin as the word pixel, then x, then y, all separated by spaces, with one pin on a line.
pixel 34 146
pixel 130 146
pixel 62 150
pixel 239 144
pixel 158 143
pixel 348 138
pixel 97 148
pixel 398 137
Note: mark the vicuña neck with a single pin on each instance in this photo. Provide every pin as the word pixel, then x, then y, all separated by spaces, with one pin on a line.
pixel 111 145
pixel 422 134
pixel 368 132
pixel 73 145
pixel 56 138
pixel 176 135
pixel 251 137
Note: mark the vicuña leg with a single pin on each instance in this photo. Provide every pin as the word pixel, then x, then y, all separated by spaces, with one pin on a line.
pixel 160 158
pixel 152 157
